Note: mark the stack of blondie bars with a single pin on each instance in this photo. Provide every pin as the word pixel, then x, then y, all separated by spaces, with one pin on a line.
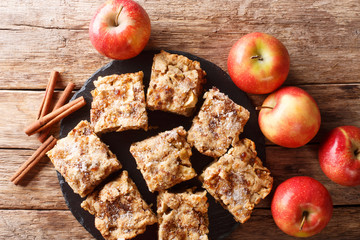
pixel 236 179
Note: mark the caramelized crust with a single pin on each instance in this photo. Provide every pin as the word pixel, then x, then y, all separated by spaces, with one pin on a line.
pixel 82 159
pixel 175 84
pixel 217 125
pixel 120 212
pixel 119 103
pixel 183 216
pixel 164 160
pixel 238 180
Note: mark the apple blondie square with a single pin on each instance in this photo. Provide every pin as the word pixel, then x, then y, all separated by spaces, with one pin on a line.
pixel 175 84
pixel 183 215
pixel 83 159
pixel 120 212
pixel 119 103
pixel 238 180
pixel 164 159
pixel 217 125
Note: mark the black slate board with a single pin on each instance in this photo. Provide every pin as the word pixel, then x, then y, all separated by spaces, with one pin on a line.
pixel 221 221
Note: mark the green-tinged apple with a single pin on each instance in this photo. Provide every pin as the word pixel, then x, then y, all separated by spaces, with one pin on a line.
pixel 301 206
pixel 339 155
pixel 258 63
pixel 120 29
pixel 289 117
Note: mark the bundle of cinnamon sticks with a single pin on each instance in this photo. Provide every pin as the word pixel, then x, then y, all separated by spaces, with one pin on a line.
pixel 46 120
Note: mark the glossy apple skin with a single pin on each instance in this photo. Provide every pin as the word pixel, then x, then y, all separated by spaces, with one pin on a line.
pixel 125 40
pixel 339 155
pixel 258 76
pixel 293 120
pixel 293 197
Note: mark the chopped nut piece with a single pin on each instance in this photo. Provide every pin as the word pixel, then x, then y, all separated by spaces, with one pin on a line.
pixel 82 159
pixel 175 85
pixel 183 216
pixel 119 103
pixel 238 180
pixel 217 125
pixel 164 160
pixel 120 212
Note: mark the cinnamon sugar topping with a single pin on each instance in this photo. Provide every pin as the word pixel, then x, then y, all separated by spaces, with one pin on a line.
pixel 217 125
pixel 175 85
pixel 119 103
pixel 120 212
pixel 238 180
pixel 164 160
pixel 183 215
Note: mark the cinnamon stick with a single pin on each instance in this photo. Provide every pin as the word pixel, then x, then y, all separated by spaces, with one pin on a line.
pixel 62 100
pixel 46 102
pixel 55 116
pixel 33 160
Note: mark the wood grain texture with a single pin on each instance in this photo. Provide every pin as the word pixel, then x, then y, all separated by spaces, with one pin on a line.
pixel 285 163
pixel 40 188
pixel 57 224
pixel 338 105
pixel 39 36
pixel 262 226
pixel 20 108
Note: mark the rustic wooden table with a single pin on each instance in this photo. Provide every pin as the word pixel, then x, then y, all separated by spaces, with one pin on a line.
pixel 322 37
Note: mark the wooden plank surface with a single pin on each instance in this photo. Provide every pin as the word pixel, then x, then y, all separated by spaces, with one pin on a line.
pixel 40 188
pixel 337 102
pixel 24 224
pixel 322 36
pixel 336 229
pixel 323 39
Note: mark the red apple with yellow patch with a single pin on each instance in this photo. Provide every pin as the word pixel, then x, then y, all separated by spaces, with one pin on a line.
pixel 339 155
pixel 120 29
pixel 289 117
pixel 301 206
pixel 258 63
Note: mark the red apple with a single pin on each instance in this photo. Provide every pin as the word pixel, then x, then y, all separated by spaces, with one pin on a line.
pixel 258 63
pixel 339 155
pixel 120 29
pixel 301 206
pixel 289 117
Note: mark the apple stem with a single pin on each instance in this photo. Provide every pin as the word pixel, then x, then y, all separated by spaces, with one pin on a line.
pixel 117 16
pixel 357 153
pixel 261 107
pixel 304 216
pixel 257 57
